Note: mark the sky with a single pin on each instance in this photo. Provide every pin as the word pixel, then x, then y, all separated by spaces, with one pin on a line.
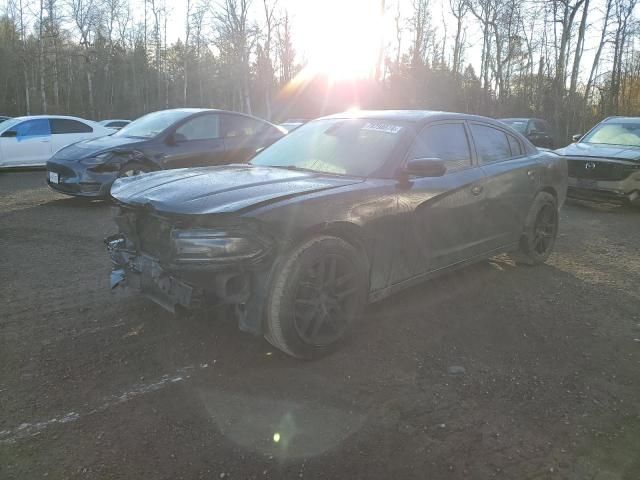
pixel 352 28
pixel 344 35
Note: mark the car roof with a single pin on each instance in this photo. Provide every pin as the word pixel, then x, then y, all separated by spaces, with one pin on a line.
pixel 63 117
pixel 413 116
pixel 622 119
pixel 521 119
pixel 113 120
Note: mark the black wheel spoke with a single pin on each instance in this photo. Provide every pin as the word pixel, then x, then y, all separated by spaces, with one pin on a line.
pixel 544 229
pixel 325 298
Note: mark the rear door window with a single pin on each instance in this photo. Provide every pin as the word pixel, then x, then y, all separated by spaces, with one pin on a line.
pixel 65 125
pixel 240 126
pixel 446 141
pixel 492 145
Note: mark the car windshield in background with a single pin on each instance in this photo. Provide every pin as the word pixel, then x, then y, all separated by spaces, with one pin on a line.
pixel 7 124
pixel 626 134
pixel 152 124
pixel 519 126
pixel 357 147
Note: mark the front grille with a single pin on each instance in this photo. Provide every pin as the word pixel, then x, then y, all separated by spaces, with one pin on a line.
pixel 597 170
pixel 154 235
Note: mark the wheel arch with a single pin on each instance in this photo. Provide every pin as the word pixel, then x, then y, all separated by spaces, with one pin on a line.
pixel 136 156
pixel 550 190
pixel 347 231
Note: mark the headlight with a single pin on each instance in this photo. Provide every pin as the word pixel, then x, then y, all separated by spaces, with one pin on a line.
pixel 209 245
pixel 98 159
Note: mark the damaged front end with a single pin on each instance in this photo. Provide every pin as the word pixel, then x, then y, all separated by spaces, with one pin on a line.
pixel 187 262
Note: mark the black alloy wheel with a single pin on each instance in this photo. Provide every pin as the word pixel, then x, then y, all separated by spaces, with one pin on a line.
pixel 540 230
pixel 325 299
pixel 319 290
pixel 545 229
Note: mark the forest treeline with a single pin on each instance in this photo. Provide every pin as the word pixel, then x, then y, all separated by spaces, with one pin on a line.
pixel 97 59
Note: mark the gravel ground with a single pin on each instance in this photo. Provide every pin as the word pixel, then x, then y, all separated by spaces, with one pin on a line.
pixel 96 384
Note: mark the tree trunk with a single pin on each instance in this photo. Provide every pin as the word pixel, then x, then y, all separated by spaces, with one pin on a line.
pixel 579 47
pixel 43 94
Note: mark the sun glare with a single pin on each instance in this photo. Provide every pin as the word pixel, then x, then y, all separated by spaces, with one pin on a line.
pixel 344 39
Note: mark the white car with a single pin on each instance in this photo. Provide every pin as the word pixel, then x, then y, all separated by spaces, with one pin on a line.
pixel 31 141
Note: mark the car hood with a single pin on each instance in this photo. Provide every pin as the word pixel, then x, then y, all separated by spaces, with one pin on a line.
pixel 222 189
pixel 94 146
pixel 600 151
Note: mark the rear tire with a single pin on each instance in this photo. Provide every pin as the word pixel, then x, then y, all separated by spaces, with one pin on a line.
pixel 317 293
pixel 540 230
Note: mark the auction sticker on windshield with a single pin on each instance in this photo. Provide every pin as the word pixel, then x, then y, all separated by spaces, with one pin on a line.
pixel 382 127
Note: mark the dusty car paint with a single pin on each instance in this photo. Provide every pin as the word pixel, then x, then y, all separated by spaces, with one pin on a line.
pixel 408 228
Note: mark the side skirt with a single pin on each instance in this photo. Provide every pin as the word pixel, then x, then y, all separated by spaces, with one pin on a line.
pixel 383 293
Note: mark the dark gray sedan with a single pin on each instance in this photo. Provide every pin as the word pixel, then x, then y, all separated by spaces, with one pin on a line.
pixel 345 210
pixel 604 164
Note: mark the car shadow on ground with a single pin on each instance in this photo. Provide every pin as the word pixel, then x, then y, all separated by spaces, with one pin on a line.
pixel 603 207
pixel 80 202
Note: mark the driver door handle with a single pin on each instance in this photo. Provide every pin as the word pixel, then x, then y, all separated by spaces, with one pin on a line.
pixel 531 174
pixel 477 189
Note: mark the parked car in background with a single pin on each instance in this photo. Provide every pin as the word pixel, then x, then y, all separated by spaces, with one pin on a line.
pixel 293 123
pixel 31 141
pixel 183 137
pixel 344 210
pixel 538 131
pixel 604 164
pixel 3 118
pixel 116 124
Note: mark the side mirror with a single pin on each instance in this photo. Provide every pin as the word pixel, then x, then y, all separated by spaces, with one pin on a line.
pixel 9 134
pixel 576 137
pixel 425 167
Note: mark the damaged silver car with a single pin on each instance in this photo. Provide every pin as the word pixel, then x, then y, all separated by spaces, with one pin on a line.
pixel 343 211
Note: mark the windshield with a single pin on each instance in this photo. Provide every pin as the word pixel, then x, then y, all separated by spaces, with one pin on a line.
pixel 627 134
pixel 519 126
pixel 7 124
pixel 356 147
pixel 152 124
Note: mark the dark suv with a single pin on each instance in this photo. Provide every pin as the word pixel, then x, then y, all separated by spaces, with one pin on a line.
pixel 536 130
pixel 184 137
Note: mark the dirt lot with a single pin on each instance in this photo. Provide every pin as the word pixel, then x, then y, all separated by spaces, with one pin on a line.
pixel 97 384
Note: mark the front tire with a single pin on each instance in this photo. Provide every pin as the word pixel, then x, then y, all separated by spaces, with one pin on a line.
pixel 318 291
pixel 540 230
pixel 132 169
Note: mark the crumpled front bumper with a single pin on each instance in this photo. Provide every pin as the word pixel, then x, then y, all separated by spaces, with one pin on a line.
pixel 625 191
pixel 176 289
pixel 78 180
pixel 144 273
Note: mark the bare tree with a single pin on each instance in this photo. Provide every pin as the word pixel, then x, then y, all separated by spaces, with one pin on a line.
pixel 459 9
pixel 85 16
pixel 596 59
pixel 234 38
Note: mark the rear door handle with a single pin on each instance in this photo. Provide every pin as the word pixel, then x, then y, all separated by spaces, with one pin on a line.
pixel 476 189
